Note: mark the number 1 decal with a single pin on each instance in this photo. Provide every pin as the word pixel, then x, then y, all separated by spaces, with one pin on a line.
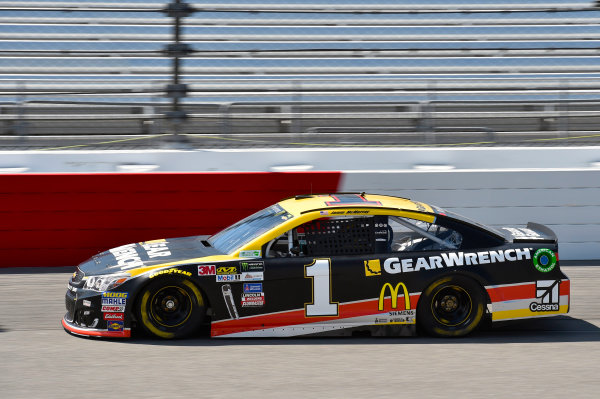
pixel 320 273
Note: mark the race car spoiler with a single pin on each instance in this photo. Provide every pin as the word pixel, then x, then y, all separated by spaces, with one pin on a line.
pixel 543 234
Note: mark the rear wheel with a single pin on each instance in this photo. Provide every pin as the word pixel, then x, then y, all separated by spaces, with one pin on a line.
pixel 171 308
pixel 451 307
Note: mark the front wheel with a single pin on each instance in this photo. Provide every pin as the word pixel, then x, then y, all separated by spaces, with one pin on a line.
pixel 171 308
pixel 452 306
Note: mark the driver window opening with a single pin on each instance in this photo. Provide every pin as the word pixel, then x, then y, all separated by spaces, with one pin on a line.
pixel 350 235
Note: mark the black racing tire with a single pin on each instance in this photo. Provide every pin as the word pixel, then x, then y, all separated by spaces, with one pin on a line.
pixel 452 306
pixel 170 308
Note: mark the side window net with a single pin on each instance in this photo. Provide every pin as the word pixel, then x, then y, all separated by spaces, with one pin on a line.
pixel 340 236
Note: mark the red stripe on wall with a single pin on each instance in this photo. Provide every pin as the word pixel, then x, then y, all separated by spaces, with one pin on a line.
pixel 63 219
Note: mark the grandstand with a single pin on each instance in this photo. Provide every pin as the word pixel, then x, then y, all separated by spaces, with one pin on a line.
pixel 404 73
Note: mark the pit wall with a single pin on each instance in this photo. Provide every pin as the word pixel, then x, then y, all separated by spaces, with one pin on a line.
pixel 59 208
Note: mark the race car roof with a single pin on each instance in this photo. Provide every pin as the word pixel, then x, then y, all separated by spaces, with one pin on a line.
pixel 306 203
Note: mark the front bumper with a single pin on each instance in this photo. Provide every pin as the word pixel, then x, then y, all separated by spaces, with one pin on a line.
pixel 86 315
pixel 93 332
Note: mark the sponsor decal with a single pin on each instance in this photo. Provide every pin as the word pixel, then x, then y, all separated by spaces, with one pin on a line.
pixel 170 271
pixel 405 316
pixel 226 278
pixel 255 276
pixel 522 232
pixel 255 266
pixel 544 260
pixel 249 276
pixel 71 288
pixel 398 317
pixel 114 298
pixel 394 296
pixel 207 270
pixel 253 300
pixel 126 256
pixel 227 270
pixel 112 308
pixel 114 316
pixel 324 213
pixel 252 287
pixel 156 248
pixel 372 267
pixel 254 253
pixel 548 296
pixel 87 303
pixel 115 326
pixel 452 259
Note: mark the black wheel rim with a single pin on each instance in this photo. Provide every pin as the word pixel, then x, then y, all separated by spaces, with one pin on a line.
pixel 171 306
pixel 451 305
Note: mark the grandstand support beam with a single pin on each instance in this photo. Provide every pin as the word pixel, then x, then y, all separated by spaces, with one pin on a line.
pixel 177 117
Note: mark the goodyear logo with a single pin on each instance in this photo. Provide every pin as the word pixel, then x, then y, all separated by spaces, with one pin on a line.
pixel 227 270
pixel 372 268
pixel 394 294
pixel 171 271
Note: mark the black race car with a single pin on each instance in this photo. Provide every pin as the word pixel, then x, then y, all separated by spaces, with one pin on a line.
pixel 330 264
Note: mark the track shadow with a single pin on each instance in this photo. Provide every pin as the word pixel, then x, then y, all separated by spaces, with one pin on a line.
pixel 556 329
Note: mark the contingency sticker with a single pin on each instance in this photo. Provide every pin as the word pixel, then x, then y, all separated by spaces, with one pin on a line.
pixel 253 299
pixel 114 298
pixel 255 253
pixel 252 266
pixel 115 326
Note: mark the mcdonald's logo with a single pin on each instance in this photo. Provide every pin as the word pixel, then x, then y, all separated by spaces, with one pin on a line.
pixel 394 294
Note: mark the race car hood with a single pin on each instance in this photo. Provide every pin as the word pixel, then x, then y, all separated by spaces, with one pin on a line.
pixel 534 232
pixel 149 253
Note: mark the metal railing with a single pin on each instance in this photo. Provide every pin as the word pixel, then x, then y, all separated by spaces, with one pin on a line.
pixel 262 68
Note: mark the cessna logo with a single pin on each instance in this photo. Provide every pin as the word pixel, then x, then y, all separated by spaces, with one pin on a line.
pixel 451 259
pixel 548 294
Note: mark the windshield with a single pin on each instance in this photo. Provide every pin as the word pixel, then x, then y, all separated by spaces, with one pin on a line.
pixel 246 230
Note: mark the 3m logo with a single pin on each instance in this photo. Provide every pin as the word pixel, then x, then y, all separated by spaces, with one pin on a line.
pixel 394 294
pixel 372 268
pixel 207 270
pixel 548 295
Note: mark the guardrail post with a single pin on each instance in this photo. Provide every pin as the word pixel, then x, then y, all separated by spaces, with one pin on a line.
pixel 176 90
pixel 296 126
pixel 224 110
pixel 563 119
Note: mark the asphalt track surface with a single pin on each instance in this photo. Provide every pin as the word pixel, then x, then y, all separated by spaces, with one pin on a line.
pixel 556 357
